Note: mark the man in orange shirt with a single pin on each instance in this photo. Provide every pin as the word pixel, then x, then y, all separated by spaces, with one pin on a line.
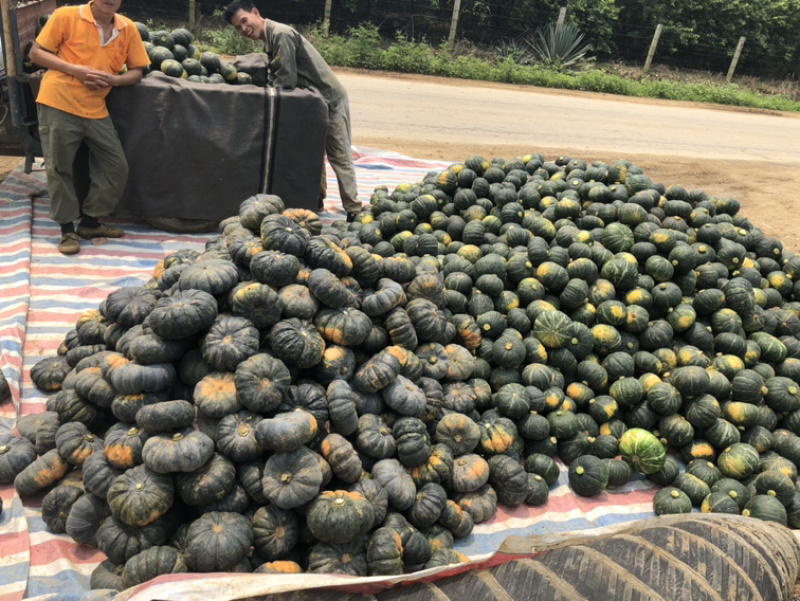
pixel 85 50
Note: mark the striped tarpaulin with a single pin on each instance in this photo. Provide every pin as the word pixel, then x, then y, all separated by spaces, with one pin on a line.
pixel 42 294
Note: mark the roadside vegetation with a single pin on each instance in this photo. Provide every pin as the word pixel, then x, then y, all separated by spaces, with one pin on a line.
pixel 538 60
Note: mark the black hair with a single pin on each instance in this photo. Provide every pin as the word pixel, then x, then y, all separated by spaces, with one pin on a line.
pixel 235 6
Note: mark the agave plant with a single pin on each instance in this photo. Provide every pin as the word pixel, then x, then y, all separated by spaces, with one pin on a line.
pixel 516 49
pixel 558 47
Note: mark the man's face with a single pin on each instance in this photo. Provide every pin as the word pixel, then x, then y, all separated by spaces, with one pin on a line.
pixel 248 24
pixel 106 8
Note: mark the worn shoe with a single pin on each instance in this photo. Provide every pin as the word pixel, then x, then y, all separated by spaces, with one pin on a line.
pixel 351 217
pixel 101 231
pixel 69 245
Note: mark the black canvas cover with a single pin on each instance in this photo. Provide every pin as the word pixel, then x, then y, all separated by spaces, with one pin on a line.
pixel 197 150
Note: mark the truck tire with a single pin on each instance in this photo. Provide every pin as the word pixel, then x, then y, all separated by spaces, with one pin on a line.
pixel 691 557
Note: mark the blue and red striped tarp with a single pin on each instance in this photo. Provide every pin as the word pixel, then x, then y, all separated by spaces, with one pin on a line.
pixel 42 294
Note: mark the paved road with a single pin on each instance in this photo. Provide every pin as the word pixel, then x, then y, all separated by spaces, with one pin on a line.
pixel 429 110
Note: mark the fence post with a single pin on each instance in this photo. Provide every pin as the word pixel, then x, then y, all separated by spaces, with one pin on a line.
pixel 326 22
pixel 736 56
pixel 454 23
pixel 562 13
pixel 652 51
pixel 192 13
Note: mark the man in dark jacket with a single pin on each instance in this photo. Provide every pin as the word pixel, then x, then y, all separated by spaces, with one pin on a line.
pixel 294 62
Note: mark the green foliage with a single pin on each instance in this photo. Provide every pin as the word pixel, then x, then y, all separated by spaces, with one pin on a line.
pixel 706 31
pixel 596 18
pixel 364 43
pixel 225 40
pixel 408 57
pixel 558 48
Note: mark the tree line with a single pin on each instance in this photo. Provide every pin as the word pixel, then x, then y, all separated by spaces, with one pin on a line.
pixel 697 34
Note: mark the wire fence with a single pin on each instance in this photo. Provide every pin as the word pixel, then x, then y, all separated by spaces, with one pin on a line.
pixel 490 25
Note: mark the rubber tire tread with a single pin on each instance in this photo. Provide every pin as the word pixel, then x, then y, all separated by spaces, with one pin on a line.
pixel 769 566
pixel 713 557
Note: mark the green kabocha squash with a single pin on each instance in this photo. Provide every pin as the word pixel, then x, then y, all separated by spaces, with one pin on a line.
pixel 217 541
pixel 385 552
pixel 694 487
pixel 256 302
pixel 48 373
pixel 342 407
pixel 298 302
pixel 619 472
pixel 342 457
pixel 642 450
pixel 229 341
pixel 41 473
pixel 56 506
pixel 671 500
pixel 297 343
pixel 163 416
pixel 588 476
pixel 140 496
pixel 738 461
pixel 399 485
pixel 339 516
pixel 276 532
pixel 107 575
pixel 775 484
pixel 719 502
pixel 339 558
pixel 338 363
pixel 84 518
pixel 16 454
pixel 280 567
pixel 413 441
pixel 260 382
pixel 182 451
pixel 152 562
pixel 120 542
pixel 286 431
pixel 460 433
pixel 182 314
pixel 509 479
pixel 767 508
pixel 292 479
pixel 208 484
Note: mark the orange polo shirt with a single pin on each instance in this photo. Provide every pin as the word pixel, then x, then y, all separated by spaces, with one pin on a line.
pixel 72 35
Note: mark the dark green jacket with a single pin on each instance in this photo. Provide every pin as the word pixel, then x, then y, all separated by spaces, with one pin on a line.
pixel 294 62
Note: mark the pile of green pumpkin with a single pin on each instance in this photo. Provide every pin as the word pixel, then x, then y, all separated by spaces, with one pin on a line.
pixel 354 399
pixel 173 53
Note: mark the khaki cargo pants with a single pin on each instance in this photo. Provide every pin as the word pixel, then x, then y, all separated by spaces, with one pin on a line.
pixel 340 156
pixel 61 134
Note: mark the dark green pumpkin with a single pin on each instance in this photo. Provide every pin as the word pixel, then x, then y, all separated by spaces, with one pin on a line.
pixel 588 476
pixel 217 541
pixel 181 451
pixel 339 516
pixel 152 562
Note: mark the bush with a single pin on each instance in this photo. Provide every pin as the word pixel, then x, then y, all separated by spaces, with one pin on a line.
pixel 408 57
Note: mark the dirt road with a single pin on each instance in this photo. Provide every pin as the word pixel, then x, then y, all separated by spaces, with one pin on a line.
pixel 753 156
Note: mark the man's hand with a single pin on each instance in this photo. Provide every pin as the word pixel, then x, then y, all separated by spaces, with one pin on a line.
pixel 97 80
